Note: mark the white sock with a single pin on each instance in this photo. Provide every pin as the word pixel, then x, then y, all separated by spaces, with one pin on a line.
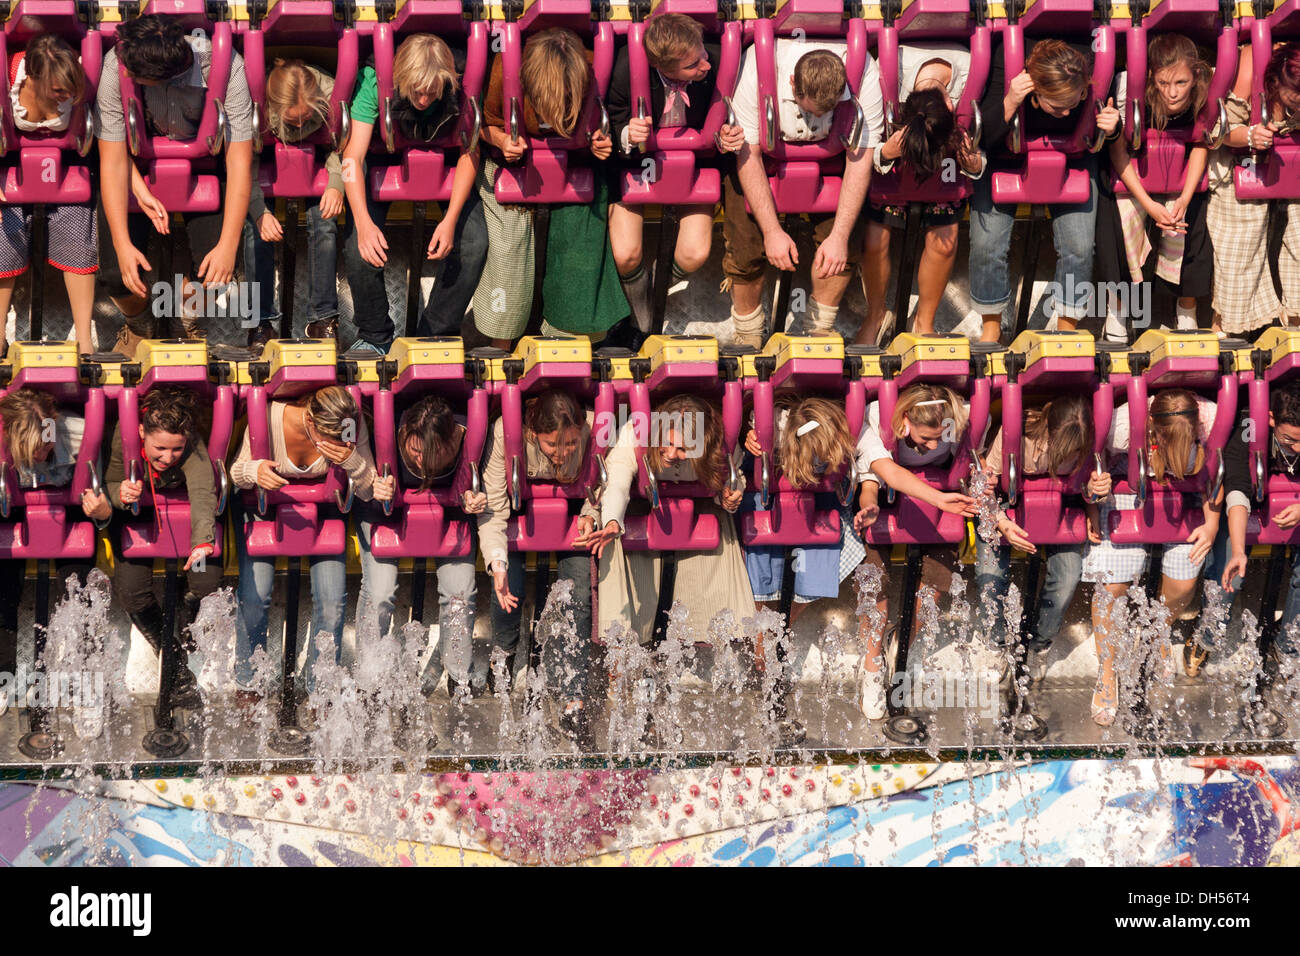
pixel 821 318
pixel 1186 319
pixel 751 324
pixel 1114 330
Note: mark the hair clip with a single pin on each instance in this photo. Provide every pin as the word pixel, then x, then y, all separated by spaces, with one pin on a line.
pixel 932 401
pixel 806 427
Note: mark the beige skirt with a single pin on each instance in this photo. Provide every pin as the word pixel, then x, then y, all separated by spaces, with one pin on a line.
pixel 707 582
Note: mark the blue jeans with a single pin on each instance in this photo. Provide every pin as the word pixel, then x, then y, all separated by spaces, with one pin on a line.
pixel 1214 567
pixel 329 598
pixel 322 267
pixel 444 313
pixel 1064 568
pixel 1074 233
pixel 457 592
pixel 567 664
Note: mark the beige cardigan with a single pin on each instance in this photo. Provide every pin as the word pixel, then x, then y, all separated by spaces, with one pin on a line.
pixel 492 522
pixel 360 465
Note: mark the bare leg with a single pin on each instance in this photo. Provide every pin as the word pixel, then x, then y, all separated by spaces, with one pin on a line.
pixel 875 279
pixel 932 275
pixel 81 297
pixel 1105 699
pixel 625 228
pixel 992 331
pixel 6 297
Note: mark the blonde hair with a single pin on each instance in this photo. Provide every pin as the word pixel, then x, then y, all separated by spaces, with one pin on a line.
pixel 555 76
pixel 820 76
pixel 424 64
pixel 711 467
pixel 913 406
pixel 25 412
pixel 50 60
pixel 331 409
pixel 671 38
pixel 289 83
pixel 1172 439
pixel 1058 70
pixel 829 443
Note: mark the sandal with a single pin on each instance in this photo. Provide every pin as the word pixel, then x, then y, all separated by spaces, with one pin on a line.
pixel 1105 703
pixel 1194 657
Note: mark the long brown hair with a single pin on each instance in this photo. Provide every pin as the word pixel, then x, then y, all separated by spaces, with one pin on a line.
pixel 430 422
pixel 1058 70
pixel 711 466
pixel 1065 427
pixel 50 60
pixel 555 75
pixel 1164 51
pixel 1172 435
pixel 829 443
pixel 555 410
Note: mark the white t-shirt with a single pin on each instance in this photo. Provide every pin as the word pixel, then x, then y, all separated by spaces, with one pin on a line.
pixel 796 125
pixel 871 448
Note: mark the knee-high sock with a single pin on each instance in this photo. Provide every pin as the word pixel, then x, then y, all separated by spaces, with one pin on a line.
pixel 636 286
pixel 821 318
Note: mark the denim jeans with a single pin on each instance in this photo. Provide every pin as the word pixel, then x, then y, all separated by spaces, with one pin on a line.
pixel 322 267
pixel 453 291
pixel 1064 568
pixel 567 664
pixel 1214 567
pixel 329 598
pixel 1074 234
pixel 455 584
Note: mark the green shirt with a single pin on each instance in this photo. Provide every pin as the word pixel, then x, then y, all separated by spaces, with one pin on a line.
pixel 365 104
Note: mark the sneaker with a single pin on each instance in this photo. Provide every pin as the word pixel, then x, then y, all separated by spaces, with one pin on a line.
pixel 681 286
pixel 324 329
pixel 873 695
pixel 362 345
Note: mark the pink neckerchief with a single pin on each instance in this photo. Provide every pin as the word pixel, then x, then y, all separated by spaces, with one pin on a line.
pixel 675 95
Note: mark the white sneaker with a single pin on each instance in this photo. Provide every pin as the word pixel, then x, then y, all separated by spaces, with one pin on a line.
pixel 681 286
pixel 873 695
pixel 972 326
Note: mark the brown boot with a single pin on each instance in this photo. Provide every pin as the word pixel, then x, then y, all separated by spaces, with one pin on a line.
pixel 127 342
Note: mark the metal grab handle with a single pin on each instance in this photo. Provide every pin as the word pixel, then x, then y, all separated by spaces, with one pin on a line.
pixel 96 486
pixel 225 486
pixel 387 505
pixel 132 128
pixel 345 126
pixel 890 494
pixel 1013 480
pixel 1100 139
pixel 257 127
pixel 516 494
pixel 604 118
pixel 735 480
pixel 1260 478
pixel 596 491
pixel 4 491
pixel 765 481
pixel 844 490
pixel 133 475
pixel 1100 469
pixel 855 131
pixel 469 141
pixel 1016 141
pixel 1135 134
pixel 345 502
pixel 261 501
pixel 977 125
pixel 87 139
pixel 1217 484
pixel 891 117
pixel 640 114
pixel 769 124
pixel 1142 480
pixel 475 481
pixel 217 143
pixel 390 141
pixel 652 481
pixel 1212 141
pixel 513 124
